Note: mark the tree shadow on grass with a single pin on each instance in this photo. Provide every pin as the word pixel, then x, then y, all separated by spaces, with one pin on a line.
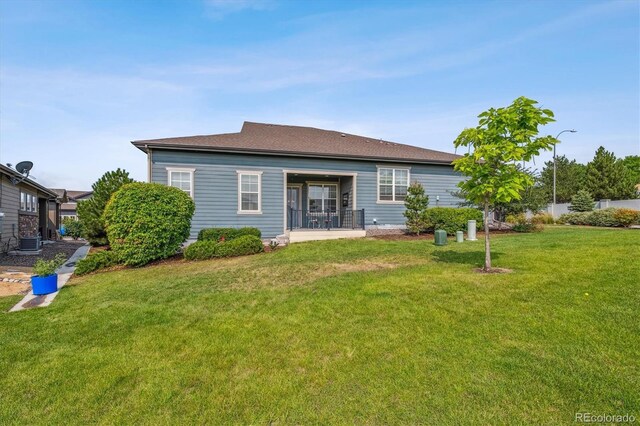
pixel 475 258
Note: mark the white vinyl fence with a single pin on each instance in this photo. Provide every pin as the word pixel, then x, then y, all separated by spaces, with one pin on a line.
pixel 557 209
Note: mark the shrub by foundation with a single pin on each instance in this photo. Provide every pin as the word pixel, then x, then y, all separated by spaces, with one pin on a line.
pixel 241 246
pixel 147 222
pixel 226 234
pixel 452 219
pixel 93 262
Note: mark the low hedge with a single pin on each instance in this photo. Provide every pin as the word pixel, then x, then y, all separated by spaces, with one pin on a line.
pixel 207 249
pixel 627 217
pixel 610 217
pixel 216 234
pixel 95 261
pixel 452 219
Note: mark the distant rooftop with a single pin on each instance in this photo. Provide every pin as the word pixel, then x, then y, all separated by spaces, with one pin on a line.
pixel 301 141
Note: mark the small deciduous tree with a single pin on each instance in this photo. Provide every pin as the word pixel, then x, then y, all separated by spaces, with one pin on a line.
pixel 504 138
pixel 416 204
pixel 90 211
pixel 582 202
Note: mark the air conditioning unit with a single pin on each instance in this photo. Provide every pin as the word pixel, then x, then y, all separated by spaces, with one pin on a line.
pixel 30 243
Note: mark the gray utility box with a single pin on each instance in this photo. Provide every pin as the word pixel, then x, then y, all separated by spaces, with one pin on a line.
pixel 441 237
pixel 30 243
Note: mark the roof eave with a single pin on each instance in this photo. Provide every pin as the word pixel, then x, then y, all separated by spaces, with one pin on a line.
pixel 145 146
pixel 28 181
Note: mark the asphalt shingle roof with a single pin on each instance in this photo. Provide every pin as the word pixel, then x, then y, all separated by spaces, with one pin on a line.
pixel 297 140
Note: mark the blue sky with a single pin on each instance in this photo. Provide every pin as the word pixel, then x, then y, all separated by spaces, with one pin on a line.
pixel 80 80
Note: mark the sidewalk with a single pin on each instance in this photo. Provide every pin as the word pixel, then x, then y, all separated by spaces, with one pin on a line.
pixel 64 273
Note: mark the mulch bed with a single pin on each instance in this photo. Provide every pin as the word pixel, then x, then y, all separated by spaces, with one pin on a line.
pixel 49 251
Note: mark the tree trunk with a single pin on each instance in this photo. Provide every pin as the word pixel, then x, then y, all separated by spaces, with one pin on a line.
pixel 487 245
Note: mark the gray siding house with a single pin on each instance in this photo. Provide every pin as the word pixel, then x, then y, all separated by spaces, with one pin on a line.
pixel 303 182
pixel 27 210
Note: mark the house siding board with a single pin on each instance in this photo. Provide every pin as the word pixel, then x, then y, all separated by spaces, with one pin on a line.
pixel 216 186
pixel 9 205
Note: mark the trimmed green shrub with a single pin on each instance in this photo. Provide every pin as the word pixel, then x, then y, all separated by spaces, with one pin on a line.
pixel 604 217
pixel 452 219
pixel 247 244
pixel 241 246
pixel 93 262
pixel 147 221
pixel 72 227
pixel 416 204
pixel 91 211
pixel 627 217
pixel 217 234
pixel 577 218
pixel 582 202
pixel 201 250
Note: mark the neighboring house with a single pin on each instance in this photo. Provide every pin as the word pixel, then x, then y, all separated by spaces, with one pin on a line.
pixel 296 180
pixel 70 206
pixel 26 209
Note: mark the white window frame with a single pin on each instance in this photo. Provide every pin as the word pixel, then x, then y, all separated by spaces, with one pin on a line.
pixel 28 202
pixel 393 186
pixel 323 184
pixel 241 173
pixel 189 170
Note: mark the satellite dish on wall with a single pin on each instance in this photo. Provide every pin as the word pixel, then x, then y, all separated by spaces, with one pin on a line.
pixel 23 167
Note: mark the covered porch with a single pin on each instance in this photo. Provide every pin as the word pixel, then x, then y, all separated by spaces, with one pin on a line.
pixel 322 205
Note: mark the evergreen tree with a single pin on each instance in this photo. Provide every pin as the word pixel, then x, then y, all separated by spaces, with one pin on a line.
pixel 416 203
pixel 632 164
pixel 581 202
pixel 570 178
pixel 90 211
pixel 607 177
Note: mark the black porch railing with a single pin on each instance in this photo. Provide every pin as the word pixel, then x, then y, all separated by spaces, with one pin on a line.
pixel 325 219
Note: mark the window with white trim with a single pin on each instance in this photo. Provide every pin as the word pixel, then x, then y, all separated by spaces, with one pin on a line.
pixel 392 184
pixel 181 179
pixel 249 192
pixel 28 202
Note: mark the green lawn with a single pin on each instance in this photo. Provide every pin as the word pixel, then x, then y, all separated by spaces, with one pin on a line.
pixel 352 331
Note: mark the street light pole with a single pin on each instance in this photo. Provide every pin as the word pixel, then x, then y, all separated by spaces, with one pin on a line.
pixel 554 166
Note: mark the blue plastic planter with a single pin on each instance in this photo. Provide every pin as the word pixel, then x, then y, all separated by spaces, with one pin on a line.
pixel 44 285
